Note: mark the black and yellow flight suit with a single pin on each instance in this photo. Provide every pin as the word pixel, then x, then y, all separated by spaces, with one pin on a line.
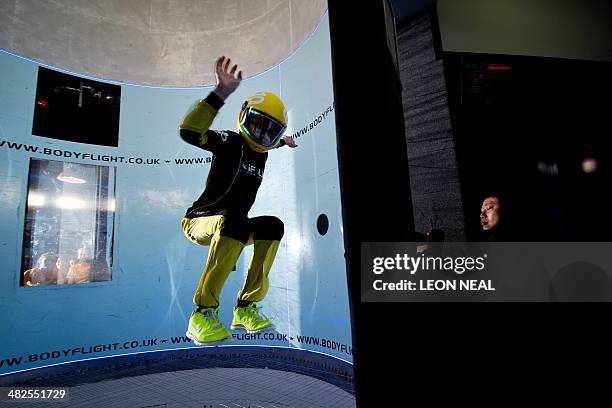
pixel 219 217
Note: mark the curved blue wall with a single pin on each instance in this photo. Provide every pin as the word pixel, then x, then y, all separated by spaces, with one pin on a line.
pixel 145 307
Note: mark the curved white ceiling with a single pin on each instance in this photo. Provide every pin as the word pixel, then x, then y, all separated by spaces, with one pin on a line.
pixel 157 42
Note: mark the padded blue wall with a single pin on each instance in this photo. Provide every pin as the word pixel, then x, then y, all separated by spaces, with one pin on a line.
pixel 156 269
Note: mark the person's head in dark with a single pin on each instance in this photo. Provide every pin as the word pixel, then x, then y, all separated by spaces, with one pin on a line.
pixel 490 213
pixel 495 218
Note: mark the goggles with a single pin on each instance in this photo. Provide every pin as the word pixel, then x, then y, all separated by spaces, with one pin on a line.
pixel 261 128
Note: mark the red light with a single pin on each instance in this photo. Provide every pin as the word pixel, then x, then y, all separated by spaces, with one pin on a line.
pixel 499 68
pixel 43 103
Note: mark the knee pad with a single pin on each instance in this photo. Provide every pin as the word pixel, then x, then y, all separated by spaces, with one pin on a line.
pixel 267 228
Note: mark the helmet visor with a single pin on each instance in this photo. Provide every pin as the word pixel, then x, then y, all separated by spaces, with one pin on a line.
pixel 261 128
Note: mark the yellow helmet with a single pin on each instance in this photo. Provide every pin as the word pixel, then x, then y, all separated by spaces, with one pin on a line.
pixel 262 121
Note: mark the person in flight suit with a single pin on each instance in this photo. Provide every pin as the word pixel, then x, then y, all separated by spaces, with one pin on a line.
pixel 219 217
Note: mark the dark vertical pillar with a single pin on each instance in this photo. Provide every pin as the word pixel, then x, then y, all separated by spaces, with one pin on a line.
pixel 434 174
pixel 374 178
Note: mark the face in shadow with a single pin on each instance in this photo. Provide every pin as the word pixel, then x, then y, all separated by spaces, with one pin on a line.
pixel 490 213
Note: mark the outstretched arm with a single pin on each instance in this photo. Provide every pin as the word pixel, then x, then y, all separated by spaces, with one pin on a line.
pixel 194 127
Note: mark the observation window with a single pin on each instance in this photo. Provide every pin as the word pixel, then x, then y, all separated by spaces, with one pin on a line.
pixel 68 232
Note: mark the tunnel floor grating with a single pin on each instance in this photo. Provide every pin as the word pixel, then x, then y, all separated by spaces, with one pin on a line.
pixel 208 388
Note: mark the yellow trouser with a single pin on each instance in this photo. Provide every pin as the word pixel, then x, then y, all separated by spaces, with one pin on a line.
pixel 224 251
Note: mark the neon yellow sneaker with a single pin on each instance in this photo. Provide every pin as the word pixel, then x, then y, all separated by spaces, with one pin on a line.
pixel 205 327
pixel 250 319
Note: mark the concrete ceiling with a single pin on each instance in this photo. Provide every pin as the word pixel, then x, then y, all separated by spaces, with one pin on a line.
pixel 157 42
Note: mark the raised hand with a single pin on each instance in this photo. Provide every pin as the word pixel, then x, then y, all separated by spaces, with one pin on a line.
pixel 227 78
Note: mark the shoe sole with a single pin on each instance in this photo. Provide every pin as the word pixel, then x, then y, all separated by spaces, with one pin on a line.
pixel 197 343
pixel 262 330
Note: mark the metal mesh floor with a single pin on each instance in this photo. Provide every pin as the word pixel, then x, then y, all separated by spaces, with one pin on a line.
pixel 208 388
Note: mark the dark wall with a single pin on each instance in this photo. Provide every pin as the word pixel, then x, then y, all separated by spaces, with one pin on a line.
pixel 524 126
